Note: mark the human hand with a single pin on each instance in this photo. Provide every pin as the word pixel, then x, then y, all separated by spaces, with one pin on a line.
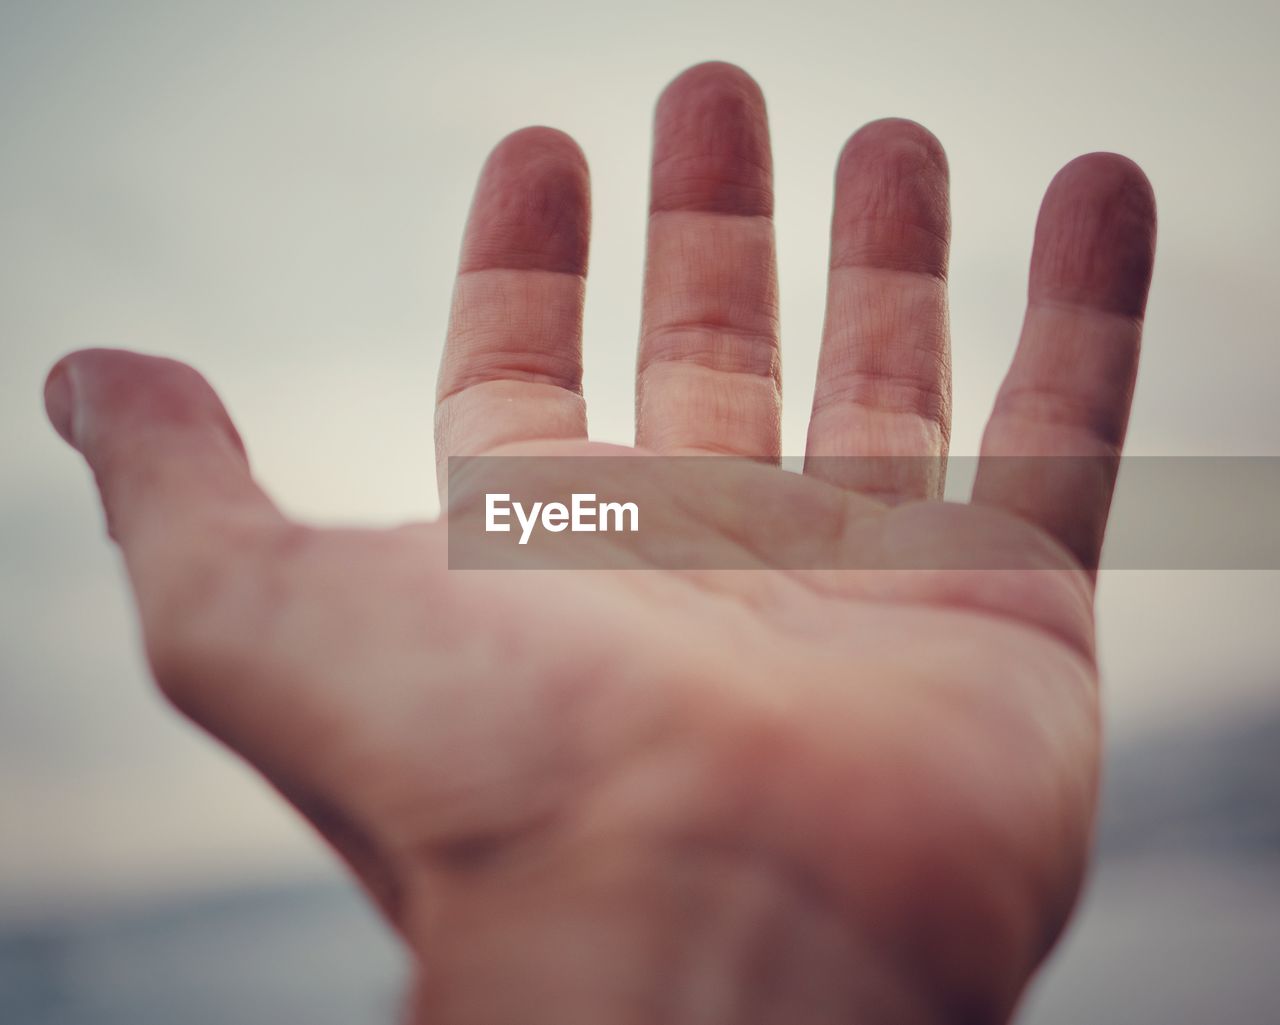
pixel 636 797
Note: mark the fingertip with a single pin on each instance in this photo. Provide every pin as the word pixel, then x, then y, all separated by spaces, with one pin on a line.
pixel 712 76
pixel 1096 235
pixel 538 145
pixel 92 393
pixel 711 144
pixel 532 206
pixel 1105 172
pixel 156 436
pixel 892 209
pixel 59 399
pixel 896 139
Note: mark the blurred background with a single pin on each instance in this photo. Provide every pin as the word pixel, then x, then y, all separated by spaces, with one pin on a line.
pixel 274 192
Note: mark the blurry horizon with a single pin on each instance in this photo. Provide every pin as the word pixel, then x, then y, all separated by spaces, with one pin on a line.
pixel 275 193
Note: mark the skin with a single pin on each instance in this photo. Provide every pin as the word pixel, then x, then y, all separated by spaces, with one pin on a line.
pixel 678 796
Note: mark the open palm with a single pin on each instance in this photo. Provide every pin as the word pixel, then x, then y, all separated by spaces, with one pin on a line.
pixel 678 793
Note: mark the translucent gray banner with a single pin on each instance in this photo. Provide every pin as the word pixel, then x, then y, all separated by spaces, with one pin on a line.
pixel 709 512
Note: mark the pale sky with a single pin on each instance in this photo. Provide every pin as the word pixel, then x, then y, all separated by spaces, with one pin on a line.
pixel 275 192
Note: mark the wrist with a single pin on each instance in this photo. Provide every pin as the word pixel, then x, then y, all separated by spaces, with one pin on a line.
pixel 705 937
